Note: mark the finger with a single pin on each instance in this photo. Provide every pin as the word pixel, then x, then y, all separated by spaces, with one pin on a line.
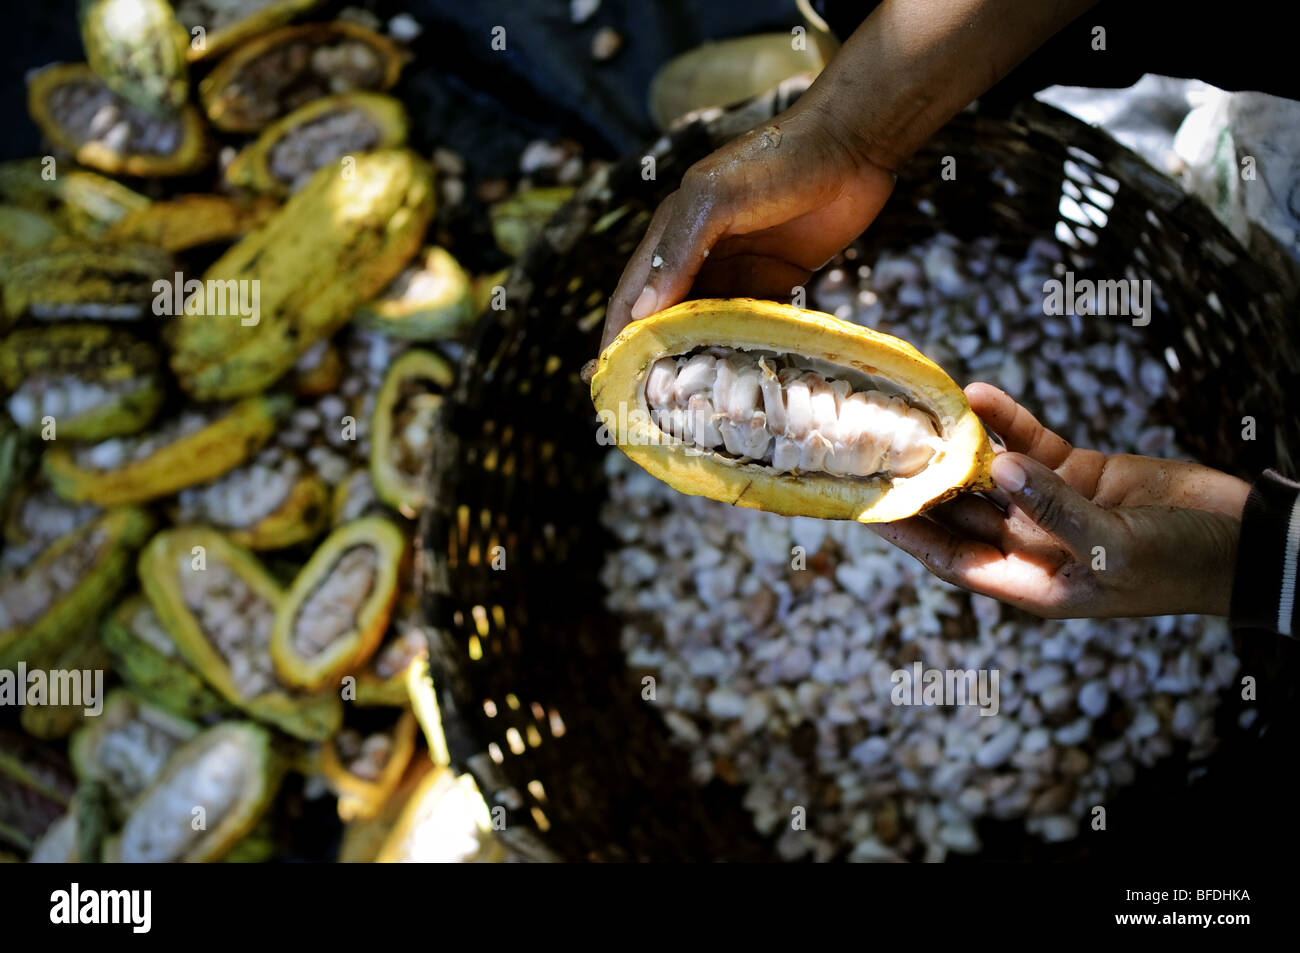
pixel 973 517
pixel 1019 580
pixel 1018 428
pixel 937 548
pixel 700 217
pixel 1051 504
pixel 618 314
pixel 972 564
pixel 999 497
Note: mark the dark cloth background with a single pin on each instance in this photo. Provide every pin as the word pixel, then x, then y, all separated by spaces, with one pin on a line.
pixel 1234 48
pixel 489 104
pixel 484 103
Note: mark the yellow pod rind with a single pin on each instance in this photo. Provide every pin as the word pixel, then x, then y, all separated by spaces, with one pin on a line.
pixel 444 311
pixel 376 690
pixel 517 219
pixel 191 221
pixel 94 353
pixel 360 799
pixel 301 516
pixel 195 458
pixel 139 49
pixel 82 202
pixel 251 168
pixel 121 707
pixel 23 228
pixel 72 277
pixel 67 616
pixel 350 651
pixel 309 717
pixel 335 244
pixel 159 676
pixel 222 90
pixel 216 42
pixel 402 491
pixel 192 153
pixel 255 796
pixel 364 837
pixel 618 389
pixel 50 721
pixel 451 805
pixel 484 289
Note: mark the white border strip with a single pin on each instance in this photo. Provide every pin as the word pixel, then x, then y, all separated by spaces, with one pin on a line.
pixel 1286 599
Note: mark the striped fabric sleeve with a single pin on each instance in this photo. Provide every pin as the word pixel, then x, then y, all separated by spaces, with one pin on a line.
pixel 1264 590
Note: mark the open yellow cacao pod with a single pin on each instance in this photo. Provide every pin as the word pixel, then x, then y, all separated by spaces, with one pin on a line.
pixel 776 408
pixel 80 115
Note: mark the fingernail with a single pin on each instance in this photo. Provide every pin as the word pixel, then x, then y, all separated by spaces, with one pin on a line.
pixel 1008 474
pixel 645 303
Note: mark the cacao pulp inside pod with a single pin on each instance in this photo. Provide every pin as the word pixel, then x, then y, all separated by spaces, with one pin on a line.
pixel 270 503
pixel 429 300
pixel 127 746
pixel 220 25
pixel 280 71
pixel 192 221
pixel 364 769
pixel 290 150
pixel 336 612
pixel 81 116
pixel 197 445
pixel 147 659
pixel 230 771
pixel 219 604
pixel 49 601
pixel 71 277
pixel 517 219
pixel 48 720
pixel 776 408
pixel 402 430
pixel 301 515
pixel 82 202
pixel 94 381
pixel 334 244
pixel 355 497
pixel 36 518
pixel 138 49
pixel 36 788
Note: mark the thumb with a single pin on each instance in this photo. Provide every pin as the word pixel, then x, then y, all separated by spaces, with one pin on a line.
pixel 1052 504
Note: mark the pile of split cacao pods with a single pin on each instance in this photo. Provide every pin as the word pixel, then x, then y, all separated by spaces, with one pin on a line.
pixel 227 312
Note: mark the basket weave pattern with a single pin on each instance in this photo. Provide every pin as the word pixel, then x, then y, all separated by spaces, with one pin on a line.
pixel 534 689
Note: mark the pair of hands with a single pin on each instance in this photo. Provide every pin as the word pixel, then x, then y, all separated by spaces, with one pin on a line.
pixel 1067 532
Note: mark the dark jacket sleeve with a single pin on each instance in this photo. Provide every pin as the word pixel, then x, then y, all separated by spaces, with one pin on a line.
pixel 1264 591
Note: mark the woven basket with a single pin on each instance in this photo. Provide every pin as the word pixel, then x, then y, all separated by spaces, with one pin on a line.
pixel 535 693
